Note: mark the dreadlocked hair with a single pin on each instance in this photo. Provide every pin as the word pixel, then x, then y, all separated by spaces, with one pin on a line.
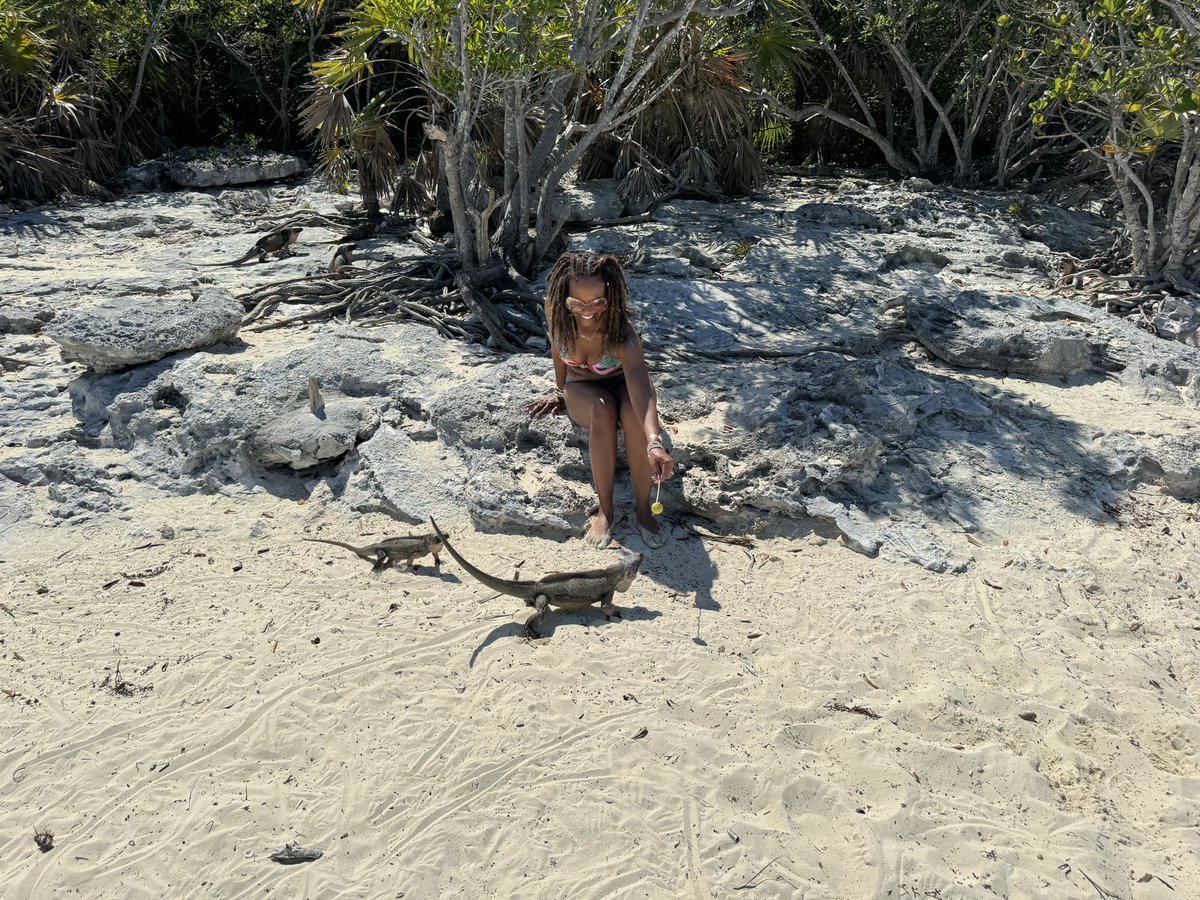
pixel 581 265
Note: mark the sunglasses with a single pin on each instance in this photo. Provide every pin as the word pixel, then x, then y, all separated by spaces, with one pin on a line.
pixel 576 305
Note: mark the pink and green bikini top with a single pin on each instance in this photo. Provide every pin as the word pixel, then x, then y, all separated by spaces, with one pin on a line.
pixel 606 365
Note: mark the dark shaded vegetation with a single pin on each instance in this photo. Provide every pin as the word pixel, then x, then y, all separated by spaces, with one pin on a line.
pixel 480 110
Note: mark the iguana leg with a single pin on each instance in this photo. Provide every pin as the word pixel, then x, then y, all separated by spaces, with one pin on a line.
pixel 539 604
pixel 608 608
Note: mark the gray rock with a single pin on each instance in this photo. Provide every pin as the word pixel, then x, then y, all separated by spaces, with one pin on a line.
pixel 29 319
pixel 76 486
pixel 35 412
pixel 497 502
pixel 487 412
pixel 300 439
pixel 409 480
pixel 592 201
pixel 153 175
pixel 854 526
pixel 1082 234
pixel 1016 259
pixel 216 168
pixel 119 334
pixel 1169 462
pixel 1007 333
pixel 1178 320
pixel 837 215
pixel 913 255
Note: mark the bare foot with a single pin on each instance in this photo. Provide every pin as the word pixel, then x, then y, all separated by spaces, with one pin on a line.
pixel 653 536
pixel 600 534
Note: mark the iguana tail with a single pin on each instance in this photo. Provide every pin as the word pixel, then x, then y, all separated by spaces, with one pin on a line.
pixel 517 589
pixel 234 262
pixel 357 551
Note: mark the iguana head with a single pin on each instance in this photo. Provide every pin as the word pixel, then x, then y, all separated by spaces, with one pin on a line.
pixel 629 570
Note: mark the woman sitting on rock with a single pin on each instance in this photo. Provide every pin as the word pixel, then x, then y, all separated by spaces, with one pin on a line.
pixel 603 384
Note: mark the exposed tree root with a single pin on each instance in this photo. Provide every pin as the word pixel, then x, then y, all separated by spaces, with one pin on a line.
pixel 1135 297
pixel 484 306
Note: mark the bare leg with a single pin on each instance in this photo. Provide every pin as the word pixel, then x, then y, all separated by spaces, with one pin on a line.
pixel 639 465
pixel 593 407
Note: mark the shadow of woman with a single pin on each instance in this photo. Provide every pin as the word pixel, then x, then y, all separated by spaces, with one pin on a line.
pixel 685 566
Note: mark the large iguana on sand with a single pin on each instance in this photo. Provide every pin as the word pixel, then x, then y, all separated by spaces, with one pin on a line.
pixel 566 590
pixel 277 242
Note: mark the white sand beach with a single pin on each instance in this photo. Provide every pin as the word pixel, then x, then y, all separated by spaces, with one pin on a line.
pixel 188 686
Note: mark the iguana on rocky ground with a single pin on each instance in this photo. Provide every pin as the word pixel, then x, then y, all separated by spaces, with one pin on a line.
pixel 278 242
pixel 393 551
pixel 343 256
pixel 567 590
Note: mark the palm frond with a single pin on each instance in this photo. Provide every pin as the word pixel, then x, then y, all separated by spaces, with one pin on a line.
pixel 410 195
pixel 781 46
pixel 335 166
pixel 695 167
pixel 22 50
pixel 642 186
pixel 600 159
pixel 63 102
pixel 773 135
pixel 327 115
pixel 743 169
pixel 34 165
pixel 425 172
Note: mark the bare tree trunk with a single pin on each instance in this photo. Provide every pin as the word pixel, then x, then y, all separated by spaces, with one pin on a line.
pixel 1183 206
pixel 1140 243
pixel 451 164
pixel 152 34
pixel 893 157
pixel 281 108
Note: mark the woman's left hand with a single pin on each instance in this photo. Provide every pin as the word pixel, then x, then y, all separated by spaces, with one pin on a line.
pixel 662 467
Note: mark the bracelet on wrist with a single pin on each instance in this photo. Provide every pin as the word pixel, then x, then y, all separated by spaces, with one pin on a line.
pixel 559 392
pixel 656 445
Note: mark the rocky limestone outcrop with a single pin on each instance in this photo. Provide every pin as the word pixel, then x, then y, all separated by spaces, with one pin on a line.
pixel 300 438
pixel 127 332
pixel 1008 333
pixel 847 353
pixel 218 168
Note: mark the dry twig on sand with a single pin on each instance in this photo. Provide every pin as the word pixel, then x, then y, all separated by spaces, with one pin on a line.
pixel 719 538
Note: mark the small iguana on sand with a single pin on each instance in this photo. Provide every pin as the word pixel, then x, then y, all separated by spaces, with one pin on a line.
pixel 394 551
pixel 343 256
pixel 277 242
pixel 567 590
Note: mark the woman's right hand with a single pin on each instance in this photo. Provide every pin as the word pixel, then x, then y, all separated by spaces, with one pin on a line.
pixel 550 406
